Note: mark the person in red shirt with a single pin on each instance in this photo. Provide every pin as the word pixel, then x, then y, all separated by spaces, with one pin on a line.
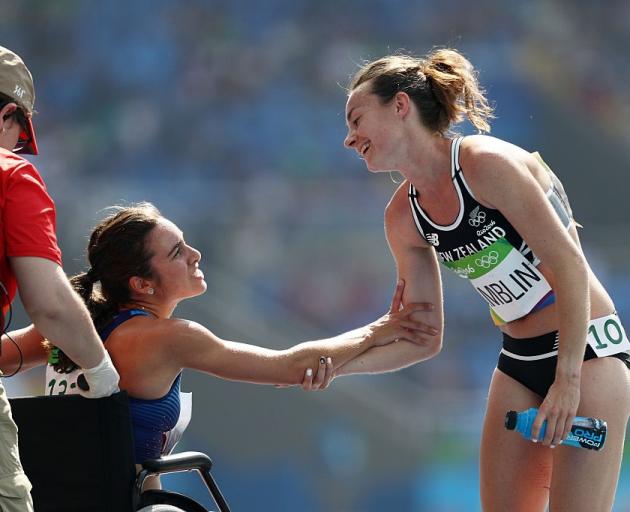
pixel 30 261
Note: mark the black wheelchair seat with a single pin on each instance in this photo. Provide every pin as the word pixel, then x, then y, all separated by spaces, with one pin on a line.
pixel 78 454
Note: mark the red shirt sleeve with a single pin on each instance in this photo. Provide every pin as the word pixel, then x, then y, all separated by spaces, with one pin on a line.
pixel 29 216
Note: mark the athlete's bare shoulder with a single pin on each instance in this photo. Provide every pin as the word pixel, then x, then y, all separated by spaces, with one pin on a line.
pixel 143 331
pixel 477 151
pixel 399 222
pixel 488 158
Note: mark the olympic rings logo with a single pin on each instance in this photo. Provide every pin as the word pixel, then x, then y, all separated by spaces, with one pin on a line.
pixel 477 218
pixel 488 260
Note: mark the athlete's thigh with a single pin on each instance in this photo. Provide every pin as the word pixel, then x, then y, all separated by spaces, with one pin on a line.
pixel 585 479
pixel 515 472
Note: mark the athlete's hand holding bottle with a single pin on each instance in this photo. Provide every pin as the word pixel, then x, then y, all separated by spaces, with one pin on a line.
pixel 559 409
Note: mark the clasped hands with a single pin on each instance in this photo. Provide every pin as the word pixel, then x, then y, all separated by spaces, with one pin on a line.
pixel 397 324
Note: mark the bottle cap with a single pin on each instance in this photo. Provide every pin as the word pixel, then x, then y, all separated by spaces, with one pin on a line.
pixel 510 420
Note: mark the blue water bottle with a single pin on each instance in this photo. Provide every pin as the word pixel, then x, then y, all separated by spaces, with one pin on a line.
pixel 585 432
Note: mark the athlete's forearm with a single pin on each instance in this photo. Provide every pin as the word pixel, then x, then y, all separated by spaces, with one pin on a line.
pixel 389 358
pixel 341 349
pixel 573 306
pixel 241 361
pixel 395 326
pixel 200 349
pixel 259 365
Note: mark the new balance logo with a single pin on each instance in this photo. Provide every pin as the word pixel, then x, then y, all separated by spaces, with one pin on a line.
pixel 477 217
pixel 432 238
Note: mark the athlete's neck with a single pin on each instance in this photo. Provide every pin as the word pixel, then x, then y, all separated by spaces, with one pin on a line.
pixel 156 310
pixel 428 165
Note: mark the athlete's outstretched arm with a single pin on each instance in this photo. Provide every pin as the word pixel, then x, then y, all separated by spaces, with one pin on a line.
pixel 417 266
pixel 185 344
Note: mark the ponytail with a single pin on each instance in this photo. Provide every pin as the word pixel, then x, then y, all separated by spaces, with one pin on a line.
pixel 117 251
pixel 101 311
pixel 443 86
pixel 454 83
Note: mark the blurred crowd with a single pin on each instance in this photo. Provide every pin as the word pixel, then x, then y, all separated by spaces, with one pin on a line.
pixel 228 115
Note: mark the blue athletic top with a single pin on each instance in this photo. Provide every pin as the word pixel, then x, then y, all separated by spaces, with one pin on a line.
pixel 150 419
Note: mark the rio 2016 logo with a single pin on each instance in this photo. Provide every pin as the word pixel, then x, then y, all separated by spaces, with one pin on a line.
pixel 464 272
pixel 488 260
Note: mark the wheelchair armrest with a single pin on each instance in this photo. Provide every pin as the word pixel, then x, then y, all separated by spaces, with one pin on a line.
pixel 183 461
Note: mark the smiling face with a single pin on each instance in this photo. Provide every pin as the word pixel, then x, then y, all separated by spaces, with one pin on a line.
pixel 373 128
pixel 174 263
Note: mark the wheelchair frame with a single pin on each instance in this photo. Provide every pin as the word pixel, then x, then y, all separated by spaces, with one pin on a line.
pixel 78 454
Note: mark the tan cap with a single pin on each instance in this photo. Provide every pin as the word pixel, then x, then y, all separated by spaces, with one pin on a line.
pixel 16 82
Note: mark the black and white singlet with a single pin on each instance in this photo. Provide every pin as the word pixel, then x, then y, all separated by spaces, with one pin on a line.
pixel 483 247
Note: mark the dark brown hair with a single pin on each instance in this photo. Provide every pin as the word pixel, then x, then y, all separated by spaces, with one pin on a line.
pixel 443 86
pixel 117 251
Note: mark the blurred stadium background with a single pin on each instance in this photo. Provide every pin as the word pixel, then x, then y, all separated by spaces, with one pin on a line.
pixel 228 115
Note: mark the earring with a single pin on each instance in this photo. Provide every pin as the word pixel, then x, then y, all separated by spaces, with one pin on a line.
pixel 150 291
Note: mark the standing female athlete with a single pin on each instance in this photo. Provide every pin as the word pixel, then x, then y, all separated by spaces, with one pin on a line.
pixel 497 216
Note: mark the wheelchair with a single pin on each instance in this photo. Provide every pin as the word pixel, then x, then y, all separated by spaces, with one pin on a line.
pixel 78 454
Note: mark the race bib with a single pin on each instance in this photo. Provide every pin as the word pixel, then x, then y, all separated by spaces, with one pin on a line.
pixel 507 281
pixel 606 336
pixel 62 383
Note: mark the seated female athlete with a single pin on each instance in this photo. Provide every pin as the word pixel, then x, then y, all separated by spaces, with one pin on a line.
pixel 140 269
